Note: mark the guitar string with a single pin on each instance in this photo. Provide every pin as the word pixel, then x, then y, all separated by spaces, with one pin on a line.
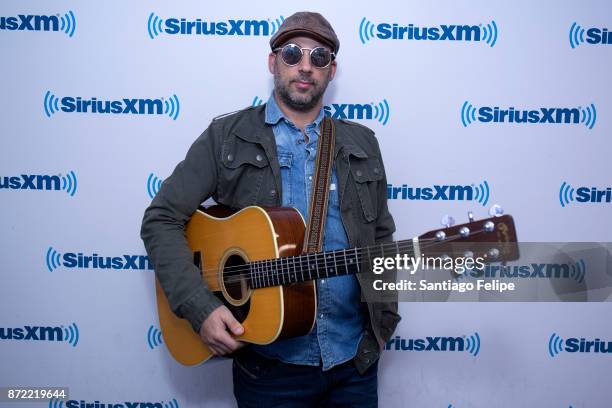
pixel 277 275
pixel 244 269
pixel 423 244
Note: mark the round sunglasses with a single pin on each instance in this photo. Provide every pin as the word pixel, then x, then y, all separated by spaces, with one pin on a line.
pixel 292 54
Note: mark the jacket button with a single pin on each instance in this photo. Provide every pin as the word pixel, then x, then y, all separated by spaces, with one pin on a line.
pixel 259 157
pixel 358 173
pixel 376 170
pixel 273 192
pixel 230 157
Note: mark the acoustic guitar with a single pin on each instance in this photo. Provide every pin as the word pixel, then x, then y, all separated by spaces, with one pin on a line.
pixel 251 259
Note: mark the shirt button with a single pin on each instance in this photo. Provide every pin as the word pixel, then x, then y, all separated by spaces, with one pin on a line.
pixel 321 315
pixel 322 280
pixel 309 177
pixel 259 157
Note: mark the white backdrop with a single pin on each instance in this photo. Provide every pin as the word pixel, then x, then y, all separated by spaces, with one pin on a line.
pixel 78 182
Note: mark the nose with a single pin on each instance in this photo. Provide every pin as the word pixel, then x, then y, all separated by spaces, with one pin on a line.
pixel 305 64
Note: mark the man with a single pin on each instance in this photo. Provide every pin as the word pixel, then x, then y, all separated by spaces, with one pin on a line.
pixel 265 156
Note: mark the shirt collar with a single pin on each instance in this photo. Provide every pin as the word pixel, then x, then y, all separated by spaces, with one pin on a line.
pixel 274 115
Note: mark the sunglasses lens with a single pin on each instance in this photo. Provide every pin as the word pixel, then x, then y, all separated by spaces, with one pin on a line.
pixel 320 57
pixel 291 54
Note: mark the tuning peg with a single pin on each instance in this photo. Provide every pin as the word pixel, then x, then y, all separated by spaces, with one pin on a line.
pixel 496 210
pixel 470 216
pixel 448 221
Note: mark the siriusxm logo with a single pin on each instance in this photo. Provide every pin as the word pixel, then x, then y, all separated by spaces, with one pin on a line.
pixel 584 194
pixel 487 114
pixel 377 111
pixel 55 260
pixel 69 334
pixel 134 106
pixel 153 185
pixel 593 35
pixel 174 26
pixel 479 193
pixel 154 337
pixel 575 271
pixel 31 22
pixel 56 403
pixel 67 183
pixel 557 345
pixel 486 33
pixel 469 344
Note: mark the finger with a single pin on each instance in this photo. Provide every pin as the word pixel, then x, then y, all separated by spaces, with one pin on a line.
pixel 227 341
pixel 230 321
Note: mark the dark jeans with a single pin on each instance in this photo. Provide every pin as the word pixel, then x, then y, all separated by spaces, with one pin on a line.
pixel 264 382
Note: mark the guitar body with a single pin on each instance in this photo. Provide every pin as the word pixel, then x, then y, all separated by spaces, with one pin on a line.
pixel 222 240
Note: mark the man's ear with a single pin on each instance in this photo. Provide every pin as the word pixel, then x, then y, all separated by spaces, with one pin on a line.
pixel 272 62
pixel 332 70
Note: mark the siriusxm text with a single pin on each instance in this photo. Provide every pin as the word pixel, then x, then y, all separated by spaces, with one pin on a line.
pixel 31 182
pixel 35 333
pixel 436 192
pixel 30 22
pixel 437 33
pixel 426 344
pixel 229 27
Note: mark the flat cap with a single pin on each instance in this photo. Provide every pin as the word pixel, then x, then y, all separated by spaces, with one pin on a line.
pixel 307 24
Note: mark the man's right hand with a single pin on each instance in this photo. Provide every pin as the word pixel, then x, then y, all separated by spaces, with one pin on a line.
pixel 217 330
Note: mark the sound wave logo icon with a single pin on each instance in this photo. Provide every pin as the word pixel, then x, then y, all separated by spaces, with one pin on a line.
pixel 489 33
pixel 53 259
pixel 566 194
pixel 71 334
pixel 257 101
pixel 382 111
pixel 154 337
pixel 589 116
pixel 486 114
pixel 468 114
pixel 482 193
pixel 576 35
pixel 153 185
pixel 154 25
pixel 173 107
pixel 366 30
pixel 472 344
pixel 157 26
pixel 69 183
pixel 555 345
pixel 58 403
pixel 485 32
pixel 50 104
pixel 578 270
pixel 68 23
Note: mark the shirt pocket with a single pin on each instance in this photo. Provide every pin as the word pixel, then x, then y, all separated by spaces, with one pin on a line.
pixel 367 173
pixel 285 161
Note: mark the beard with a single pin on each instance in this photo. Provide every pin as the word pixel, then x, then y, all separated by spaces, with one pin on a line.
pixel 296 100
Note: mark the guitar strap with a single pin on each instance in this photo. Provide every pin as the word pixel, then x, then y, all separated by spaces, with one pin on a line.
pixel 317 213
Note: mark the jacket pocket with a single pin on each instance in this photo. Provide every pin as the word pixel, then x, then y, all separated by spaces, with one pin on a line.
pixel 244 165
pixel 367 173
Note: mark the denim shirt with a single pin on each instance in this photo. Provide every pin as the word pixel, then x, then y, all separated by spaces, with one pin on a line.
pixel 339 322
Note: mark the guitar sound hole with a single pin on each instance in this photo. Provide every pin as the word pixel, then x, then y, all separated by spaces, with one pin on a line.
pixel 235 278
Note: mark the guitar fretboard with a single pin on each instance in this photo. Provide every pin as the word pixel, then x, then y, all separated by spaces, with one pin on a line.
pixel 306 267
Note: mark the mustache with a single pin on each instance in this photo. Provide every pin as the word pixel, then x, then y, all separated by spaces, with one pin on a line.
pixel 304 78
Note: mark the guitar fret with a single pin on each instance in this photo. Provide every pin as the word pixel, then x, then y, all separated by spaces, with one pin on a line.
pixel 308 264
pixel 301 268
pixel 335 266
pixel 356 259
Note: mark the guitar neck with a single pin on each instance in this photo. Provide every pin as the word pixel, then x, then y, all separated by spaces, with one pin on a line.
pixel 310 266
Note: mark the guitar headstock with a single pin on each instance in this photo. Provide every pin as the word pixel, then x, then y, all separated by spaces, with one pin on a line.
pixel 493 239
